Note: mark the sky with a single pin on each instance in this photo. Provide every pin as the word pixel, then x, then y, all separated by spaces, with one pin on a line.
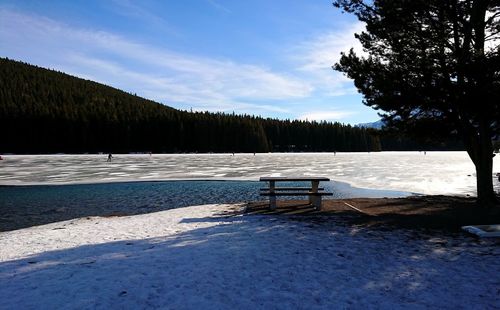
pixel 259 57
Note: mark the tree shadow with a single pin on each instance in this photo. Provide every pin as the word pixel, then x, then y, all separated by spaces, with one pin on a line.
pixel 446 213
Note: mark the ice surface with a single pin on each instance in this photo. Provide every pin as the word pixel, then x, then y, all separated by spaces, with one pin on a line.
pixel 194 258
pixel 433 173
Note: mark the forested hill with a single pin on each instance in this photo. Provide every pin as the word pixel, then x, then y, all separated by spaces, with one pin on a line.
pixel 45 111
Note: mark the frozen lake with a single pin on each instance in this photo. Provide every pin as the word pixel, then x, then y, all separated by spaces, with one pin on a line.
pixel 74 186
pixel 432 173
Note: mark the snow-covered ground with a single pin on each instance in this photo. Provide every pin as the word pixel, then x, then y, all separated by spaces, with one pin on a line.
pixel 433 173
pixel 198 258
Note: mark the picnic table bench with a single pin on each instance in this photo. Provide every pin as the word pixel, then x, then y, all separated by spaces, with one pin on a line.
pixel 314 192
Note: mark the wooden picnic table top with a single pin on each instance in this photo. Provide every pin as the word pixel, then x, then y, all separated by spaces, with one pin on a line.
pixel 294 179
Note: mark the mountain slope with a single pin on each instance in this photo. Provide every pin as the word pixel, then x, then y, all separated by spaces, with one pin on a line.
pixel 44 111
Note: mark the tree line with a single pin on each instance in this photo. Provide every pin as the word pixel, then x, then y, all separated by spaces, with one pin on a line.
pixel 45 111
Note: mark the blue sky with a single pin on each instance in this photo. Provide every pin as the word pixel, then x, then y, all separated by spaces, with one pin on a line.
pixel 267 58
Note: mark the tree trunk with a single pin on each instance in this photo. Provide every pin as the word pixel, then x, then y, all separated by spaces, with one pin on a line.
pixel 484 174
pixel 483 160
pixel 478 143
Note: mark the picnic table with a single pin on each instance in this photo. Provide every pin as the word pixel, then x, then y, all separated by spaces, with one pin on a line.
pixel 314 192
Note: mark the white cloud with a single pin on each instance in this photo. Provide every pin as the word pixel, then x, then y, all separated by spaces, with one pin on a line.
pixel 166 89
pixel 328 115
pixel 315 58
pixel 324 51
pixel 159 74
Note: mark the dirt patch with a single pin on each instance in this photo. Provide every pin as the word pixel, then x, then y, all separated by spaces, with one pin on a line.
pixel 444 212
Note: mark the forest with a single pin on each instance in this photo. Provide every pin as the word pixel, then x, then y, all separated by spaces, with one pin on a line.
pixel 45 111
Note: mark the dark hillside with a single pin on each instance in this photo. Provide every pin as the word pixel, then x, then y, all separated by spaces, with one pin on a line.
pixel 45 111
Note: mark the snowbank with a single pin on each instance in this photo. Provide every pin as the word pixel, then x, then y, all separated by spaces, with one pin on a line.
pixel 197 257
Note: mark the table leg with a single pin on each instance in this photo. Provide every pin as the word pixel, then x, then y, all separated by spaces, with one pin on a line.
pixel 272 199
pixel 315 186
pixel 314 189
pixel 315 200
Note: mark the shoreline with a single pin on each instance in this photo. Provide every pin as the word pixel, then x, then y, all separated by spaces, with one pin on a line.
pixel 25 206
pixel 423 211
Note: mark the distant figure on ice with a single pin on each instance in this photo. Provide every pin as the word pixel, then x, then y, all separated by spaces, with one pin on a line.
pixel 110 157
pixel 1 158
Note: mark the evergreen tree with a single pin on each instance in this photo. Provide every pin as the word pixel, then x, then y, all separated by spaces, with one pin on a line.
pixel 434 69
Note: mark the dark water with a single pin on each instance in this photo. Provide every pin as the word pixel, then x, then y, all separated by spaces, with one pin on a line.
pixel 24 206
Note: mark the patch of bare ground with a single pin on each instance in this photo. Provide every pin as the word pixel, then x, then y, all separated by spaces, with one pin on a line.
pixel 435 212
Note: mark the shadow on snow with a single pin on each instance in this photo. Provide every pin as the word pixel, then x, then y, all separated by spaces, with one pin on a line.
pixel 259 261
